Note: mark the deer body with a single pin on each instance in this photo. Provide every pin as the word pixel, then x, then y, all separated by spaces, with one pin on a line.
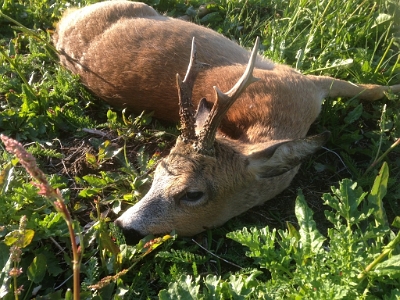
pixel 128 54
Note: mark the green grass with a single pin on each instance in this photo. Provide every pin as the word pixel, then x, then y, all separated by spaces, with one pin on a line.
pixel 320 242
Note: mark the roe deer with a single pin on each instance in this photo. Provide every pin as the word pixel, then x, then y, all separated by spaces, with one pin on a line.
pixel 128 55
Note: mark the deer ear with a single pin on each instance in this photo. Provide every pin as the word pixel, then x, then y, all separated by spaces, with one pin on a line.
pixel 284 156
pixel 202 113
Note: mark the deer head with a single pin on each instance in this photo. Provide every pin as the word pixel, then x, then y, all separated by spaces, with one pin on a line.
pixel 206 180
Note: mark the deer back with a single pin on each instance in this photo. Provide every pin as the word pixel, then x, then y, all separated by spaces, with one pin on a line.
pixel 128 54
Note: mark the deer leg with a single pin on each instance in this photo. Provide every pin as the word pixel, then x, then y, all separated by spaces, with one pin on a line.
pixel 331 87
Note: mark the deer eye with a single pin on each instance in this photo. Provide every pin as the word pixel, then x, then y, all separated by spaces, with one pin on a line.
pixel 192 196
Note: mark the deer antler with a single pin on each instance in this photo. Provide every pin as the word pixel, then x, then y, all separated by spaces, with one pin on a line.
pixel 205 140
pixel 185 88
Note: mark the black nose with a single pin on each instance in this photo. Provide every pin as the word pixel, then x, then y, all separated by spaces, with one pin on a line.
pixel 132 237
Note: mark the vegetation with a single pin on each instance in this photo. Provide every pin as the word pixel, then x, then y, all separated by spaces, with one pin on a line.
pixel 313 241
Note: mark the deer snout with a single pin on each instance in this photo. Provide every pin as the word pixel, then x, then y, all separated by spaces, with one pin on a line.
pixel 132 236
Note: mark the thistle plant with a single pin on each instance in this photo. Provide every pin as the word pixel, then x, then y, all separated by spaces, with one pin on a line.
pixel 55 198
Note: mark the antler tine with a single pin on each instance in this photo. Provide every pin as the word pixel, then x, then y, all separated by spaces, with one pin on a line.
pixel 223 102
pixel 185 88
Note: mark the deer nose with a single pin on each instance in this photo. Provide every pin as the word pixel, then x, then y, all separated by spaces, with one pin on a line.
pixel 132 237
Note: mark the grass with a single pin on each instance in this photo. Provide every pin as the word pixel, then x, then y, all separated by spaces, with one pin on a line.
pixel 322 242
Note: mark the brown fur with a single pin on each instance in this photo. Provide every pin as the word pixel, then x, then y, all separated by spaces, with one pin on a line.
pixel 128 55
